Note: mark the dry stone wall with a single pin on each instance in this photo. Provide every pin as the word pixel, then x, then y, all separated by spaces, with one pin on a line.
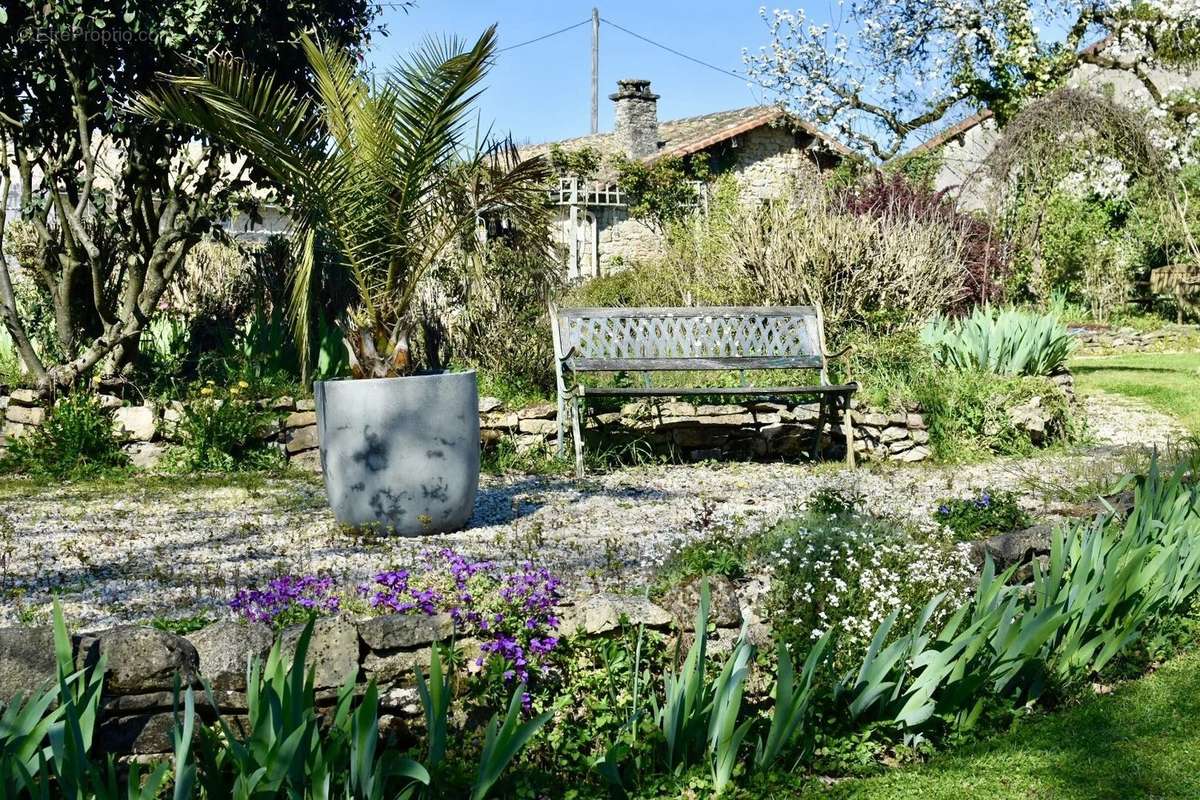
pixel 1108 341
pixel 149 429
pixel 701 432
pixel 684 430
pixel 143 663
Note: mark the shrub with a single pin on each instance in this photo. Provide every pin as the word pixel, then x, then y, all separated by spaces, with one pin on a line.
pixel 831 502
pixel 847 573
pixel 985 257
pixel 75 441
pixel 887 271
pixel 885 267
pixel 968 414
pixel 223 434
pixel 987 514
pixel 967 411
pixel 499 323
pixel 715 549
pixel 647 284
pixel 1006 342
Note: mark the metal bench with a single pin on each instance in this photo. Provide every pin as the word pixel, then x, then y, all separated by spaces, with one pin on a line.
pixel 716 338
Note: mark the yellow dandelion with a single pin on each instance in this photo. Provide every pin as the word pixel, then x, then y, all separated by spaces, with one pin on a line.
pixel 234 391
pixel 206 391
pixel 243 385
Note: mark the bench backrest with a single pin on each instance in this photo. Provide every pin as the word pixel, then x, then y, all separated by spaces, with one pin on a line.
pixel 700 338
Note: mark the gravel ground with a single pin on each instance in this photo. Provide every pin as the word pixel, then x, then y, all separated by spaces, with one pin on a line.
pixel 173 547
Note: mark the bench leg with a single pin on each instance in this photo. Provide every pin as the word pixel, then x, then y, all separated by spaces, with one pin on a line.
pixel 816 450
pixel 562 423
pixel 577 436
pixel 848 427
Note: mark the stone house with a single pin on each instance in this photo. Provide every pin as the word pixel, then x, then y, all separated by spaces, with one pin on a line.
pixel 763 147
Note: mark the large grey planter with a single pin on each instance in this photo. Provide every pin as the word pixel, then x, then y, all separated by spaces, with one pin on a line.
pixel 400 454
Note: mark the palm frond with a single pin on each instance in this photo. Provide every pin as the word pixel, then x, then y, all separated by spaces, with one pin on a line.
pixel 253 112
pixel 381 168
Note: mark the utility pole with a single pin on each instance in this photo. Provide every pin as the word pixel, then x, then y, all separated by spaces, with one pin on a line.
pixel 595 70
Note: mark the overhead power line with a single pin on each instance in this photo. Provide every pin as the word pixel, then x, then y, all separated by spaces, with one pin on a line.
pixel 673 51
pixel 546 36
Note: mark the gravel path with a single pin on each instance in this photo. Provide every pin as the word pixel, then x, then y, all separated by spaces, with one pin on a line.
pixel 174 547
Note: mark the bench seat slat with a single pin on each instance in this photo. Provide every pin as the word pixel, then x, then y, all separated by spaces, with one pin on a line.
pixel 666 391
pixel 692 364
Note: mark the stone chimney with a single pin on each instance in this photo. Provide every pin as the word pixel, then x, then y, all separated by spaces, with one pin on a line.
pixel 636 127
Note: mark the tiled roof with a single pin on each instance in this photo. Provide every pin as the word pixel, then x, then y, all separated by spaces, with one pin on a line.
pixel 948 135
pixel 681 137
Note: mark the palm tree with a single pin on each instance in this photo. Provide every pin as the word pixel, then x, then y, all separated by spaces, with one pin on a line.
pixel 383 170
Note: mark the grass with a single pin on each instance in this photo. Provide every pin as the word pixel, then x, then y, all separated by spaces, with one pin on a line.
pixel 1142 741
pixel 1168 382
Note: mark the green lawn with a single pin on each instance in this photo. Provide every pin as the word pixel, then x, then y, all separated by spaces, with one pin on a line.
pixel 1170 382
pixel 1142 741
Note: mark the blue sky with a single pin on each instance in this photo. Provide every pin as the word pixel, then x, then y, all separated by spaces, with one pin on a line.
pixel 542 91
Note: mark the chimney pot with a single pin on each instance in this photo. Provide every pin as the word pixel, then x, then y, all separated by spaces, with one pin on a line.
pixel 636 127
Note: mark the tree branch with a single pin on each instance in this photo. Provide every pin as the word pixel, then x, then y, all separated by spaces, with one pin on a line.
pixel 8 299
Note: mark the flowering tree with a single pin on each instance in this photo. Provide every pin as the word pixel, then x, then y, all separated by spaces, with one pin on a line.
pixel 895 69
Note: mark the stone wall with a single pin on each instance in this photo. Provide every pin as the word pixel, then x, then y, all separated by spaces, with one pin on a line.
pixel 691 432
pixel 683 430
pixel 142 663
pixel 1108 340
pixel 149 429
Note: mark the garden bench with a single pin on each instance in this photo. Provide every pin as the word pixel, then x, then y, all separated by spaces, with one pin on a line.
pixel 701 339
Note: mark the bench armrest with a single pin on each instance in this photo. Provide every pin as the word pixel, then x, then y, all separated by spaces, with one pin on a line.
pixel 839 353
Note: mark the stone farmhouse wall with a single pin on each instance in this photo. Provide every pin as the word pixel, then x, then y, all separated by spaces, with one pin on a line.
pixel 766 162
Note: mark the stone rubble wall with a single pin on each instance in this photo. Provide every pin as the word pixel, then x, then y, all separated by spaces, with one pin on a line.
pixel 1128 340
pixel 758 430
pixel 142 662
pixel 688 431
pixel 148 429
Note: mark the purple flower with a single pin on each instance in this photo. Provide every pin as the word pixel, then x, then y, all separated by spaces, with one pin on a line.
pixel 287 599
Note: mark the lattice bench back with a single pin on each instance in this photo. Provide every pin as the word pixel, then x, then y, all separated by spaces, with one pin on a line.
pixel 706 338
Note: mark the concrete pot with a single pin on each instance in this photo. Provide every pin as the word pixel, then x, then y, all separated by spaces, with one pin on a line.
pixel 400 454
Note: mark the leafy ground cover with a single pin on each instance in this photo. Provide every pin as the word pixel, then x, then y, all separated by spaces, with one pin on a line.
pixel 1140 741
pixel 1166 381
